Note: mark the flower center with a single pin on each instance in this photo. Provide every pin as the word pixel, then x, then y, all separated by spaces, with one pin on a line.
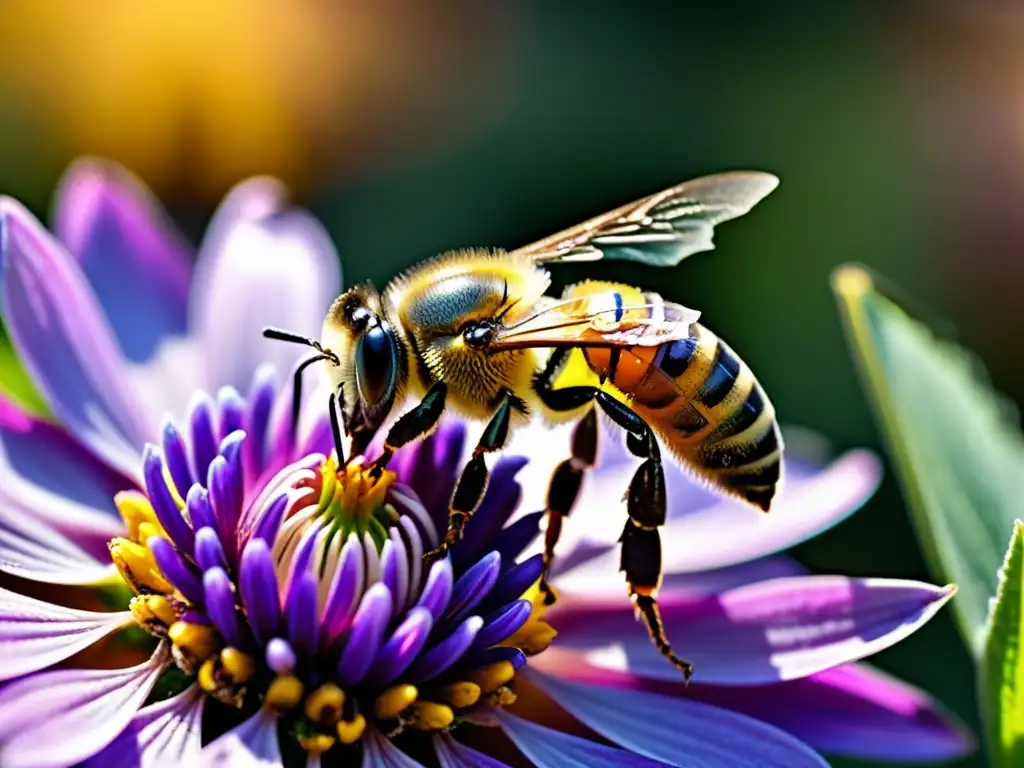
pixel 314 599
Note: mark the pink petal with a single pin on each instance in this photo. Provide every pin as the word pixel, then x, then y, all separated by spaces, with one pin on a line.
pixel 251 744
pixel 66 343
pixel 129 251
pixel 774 630
pixel 35 634
pixel 262 264
pixel 56 719
pixel 164 734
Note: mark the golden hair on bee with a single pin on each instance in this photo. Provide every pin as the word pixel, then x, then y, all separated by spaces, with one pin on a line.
pixel 472 332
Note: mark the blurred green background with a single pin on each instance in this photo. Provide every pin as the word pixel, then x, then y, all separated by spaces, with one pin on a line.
pixel 897 130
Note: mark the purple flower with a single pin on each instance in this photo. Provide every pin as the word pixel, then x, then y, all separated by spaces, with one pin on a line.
pixel 288 614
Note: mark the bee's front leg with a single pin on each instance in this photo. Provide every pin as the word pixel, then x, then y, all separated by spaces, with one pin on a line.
pixel 473 481
pixel 417 423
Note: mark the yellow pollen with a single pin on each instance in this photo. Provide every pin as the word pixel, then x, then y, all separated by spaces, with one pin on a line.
pixel 461 694
pixel 196 640
pixel 207 676
pixel 324 705
pixel 147 529
pixel 503 697
pixel 536 634
pixel 395 700
pixel 135 509
pixel 492 677
pixel 284 693
pixel 136 566
pixel 157 607
pixel 317 743
pixel 238 665
pixel 352 490
pixel 428 716
pixel 350 731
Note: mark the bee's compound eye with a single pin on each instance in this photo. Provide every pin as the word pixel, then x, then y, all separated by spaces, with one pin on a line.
pixel 376 365
pixel 478 335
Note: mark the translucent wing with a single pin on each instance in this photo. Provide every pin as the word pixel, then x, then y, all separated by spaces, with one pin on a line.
pixel 598 320
pixel 661 229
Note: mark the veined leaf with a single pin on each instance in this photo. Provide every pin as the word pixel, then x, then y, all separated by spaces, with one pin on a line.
pixel 955 443
pixel 14 381
pixel 1002 664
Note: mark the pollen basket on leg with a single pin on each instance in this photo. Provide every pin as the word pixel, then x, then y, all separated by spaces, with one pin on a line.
pixel 300 586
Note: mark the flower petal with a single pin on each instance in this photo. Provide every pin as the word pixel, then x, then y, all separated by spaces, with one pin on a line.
pixel 66 343
pixel 261 265
pixel 35 634
pixel 88 708
pixel 164 734
pixel 379 752
pixel 855 711
pixel 773 630
pixel 129 252
pixel 676 731
pixel 451 754
pixel 547 748
pixel 251 744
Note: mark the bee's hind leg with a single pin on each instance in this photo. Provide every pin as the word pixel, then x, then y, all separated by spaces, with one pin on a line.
pixel 469 491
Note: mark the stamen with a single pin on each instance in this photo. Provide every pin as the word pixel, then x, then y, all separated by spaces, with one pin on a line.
pixel 196 641
pixel 428 716
pixel 324 705
pixel 136 565
pixel 350 731
pixel 492 677
pixel 284 693
pixel 317 743
pixel 135 510
pixel 240 666
pixel 460 695
pixel 394 701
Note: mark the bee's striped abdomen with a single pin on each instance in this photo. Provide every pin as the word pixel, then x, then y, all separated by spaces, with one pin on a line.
pixel 704 403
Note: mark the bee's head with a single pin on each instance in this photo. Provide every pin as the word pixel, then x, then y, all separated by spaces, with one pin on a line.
pixel 357 331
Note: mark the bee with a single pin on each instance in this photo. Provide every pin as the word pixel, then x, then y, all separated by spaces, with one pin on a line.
pixel 473 331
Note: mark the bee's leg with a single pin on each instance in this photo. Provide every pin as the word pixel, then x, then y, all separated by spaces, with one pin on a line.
pixel 565 488
pixel 473 481
pixel 414 424
pixel 641 542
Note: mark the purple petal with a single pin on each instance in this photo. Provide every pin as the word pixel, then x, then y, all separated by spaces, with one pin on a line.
pixel 438 588
pixel 66 344
pixel 163 734
pixel 343 598
pixel 270 520
pixel 402 647
pixel 30 547
pixel 446 653
pixel 252 744
pixel 35 634
pixel 451 754
pixel 232 411
pixel 731 532
pixel 129 252
pixel 166 508
pixel 174 568
pixel 511 542
pixel 176 455
pixel 302 617
pixel 202 433
pixel 431 466
pixel 855 711
pixel 546 748
pixel 514 582
pixel 209 552
pixel 45 467
pixel 379 752
pixel 261 399
pixel 225 486
pixel 257 584
pixel 87 707
pixel 676 731
pixel 197 504
pixel 414 546
pixel 503 623
pixel 220 605
pixel 366 636
pixel 473 586
pixel 484 657
pixel 260 265
pixel 774 630
pixel 394 564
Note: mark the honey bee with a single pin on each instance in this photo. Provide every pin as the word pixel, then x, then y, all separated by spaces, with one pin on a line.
pixel 473 331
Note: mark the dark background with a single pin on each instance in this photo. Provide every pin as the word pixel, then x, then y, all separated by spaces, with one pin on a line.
pixel 897 129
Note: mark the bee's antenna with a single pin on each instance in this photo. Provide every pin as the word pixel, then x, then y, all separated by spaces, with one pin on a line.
pixel 333 404
pixel 325 354
pixel 279 334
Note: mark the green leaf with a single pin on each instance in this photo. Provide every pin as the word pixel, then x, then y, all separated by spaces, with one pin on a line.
pixel 15 382
pixel 955 443
pixel 1002 663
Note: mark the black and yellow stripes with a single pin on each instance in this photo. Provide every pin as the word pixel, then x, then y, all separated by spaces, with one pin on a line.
pixel 701 399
